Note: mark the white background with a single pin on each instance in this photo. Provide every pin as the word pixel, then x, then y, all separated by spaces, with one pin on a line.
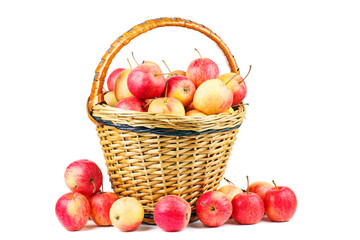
pixel 301 128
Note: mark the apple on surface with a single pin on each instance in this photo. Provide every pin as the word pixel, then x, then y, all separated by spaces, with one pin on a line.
pixel 83 176
pixel 213 97
pixel 112 78
pixel 201 70
pixel 195 113
pixel 248 207
pixel 172 213
pixel 230 190
pixel 280 203
pixel 126 214
pixel 182 88
pixel 132 104
pixel 213 208
pixel 100 204
pixel 167 105
pixel 260 188
pixel 110 99
pixel 121 88
pixel 146 81
pixel 73 211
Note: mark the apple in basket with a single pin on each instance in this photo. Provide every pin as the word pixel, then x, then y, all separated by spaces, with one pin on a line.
pixel 100 204
pixel 202 69
pixel 146 81
pixel 213 97
pixel 131 103
pixel 213 208
pixel 83 176
pixel 195 113
pixel 126 214
pixel 121 89
pixel 182 88
pixel 174 73
pixel 72 210
pixel 110 99
pixel 172 213
pixel 112 78
pixel 167 105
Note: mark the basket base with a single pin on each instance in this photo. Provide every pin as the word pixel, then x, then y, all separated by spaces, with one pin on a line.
pixel 149 218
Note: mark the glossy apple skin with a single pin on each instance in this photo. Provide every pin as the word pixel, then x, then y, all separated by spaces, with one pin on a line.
pixel 83 176
pixel 237 86
pixel 195 113
pixel 145 81
pixel 260 188
pixel 190 107
pixel 201 70
pixel 280 205
pixel 100 204
pixel 172 213
pixel 213 208
pixel 112 78
pixel 126 214
pixel 182 88
pixel 72 211
pixel 110 99
pixel 247 208
pixel 121 88
pixel 168 105
pixel 230 190
pixel 213 97
pixel 132 104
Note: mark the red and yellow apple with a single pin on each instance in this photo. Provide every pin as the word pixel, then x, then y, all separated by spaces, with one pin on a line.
pixel 182 88
pixel 112 78
pixel 202 69
pixel 260 188
pixel 121 88
pixel 100 204
pixel 230 190
pixel 132 104
pixel 126 214
pixel 176 73
pixel 213 97
pixel 195 113
pixel 167 105
pixel 235 82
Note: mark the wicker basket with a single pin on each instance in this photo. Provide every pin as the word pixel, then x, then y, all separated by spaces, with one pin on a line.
pixel 152 155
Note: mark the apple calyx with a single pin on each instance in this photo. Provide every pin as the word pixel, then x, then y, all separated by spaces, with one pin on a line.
pixel 198 52
pixel 276 187
pixel 211 208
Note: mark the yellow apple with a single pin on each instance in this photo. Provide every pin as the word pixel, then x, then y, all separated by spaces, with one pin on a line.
pixel 121 88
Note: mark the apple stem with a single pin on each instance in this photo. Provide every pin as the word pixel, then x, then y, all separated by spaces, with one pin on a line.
pixel 73 191
pixel 276 187
pixel 247 189
pixel 92 181
pixel 231 79
pixel 148 104
pixel 129 63
pixel 132 53
pixel 166 65
pixel 211 208
pixel 230 182
pixel 246 75
pixel 198 52
pixel 166 89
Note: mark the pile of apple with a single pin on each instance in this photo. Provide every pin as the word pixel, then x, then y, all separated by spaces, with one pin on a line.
pixel 171 213
pixel 200 91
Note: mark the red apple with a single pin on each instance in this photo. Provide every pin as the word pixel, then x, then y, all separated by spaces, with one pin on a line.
pixel 121 88
pixel 213 208
pixel 83 176
pixel 213 97
pixel 182 88
pixel 146 81
pixel 248 208
pixel 260 188
pixel 237 85
pixel 126 214
pixel 72 210
pixel 131 103
pixel 100 204
pixel 190 107
pixel 280 203
pixel 112 78
pixel 167 105
pixel 172 213
pixel 202 69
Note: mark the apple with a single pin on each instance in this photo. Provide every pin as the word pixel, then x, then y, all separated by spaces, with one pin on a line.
pixel 146 81
pixel 83 176
pixel 236 84
pixel 72 210
pixel 213 97
pixel 248 207
pixel 230 190
pixel 176 73
pixel 112 78
pixel 126 214
pixel 132 104
pixel 110 99
pixel 182 88
pixel 190 107
pixel 195 113
pixel 172 213
pixel 202 69
pixel 167 105
pixel 100 204
pixel 260 188
pixel 280 203
pixel 230 110
pixel 121 88
pixel 213 208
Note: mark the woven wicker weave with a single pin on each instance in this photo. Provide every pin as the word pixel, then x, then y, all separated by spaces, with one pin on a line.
pixel 151 155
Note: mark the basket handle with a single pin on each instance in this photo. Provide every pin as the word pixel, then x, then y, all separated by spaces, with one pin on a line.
pixel 97 94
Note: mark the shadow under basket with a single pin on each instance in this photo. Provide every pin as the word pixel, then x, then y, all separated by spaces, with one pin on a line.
pixel 150 155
